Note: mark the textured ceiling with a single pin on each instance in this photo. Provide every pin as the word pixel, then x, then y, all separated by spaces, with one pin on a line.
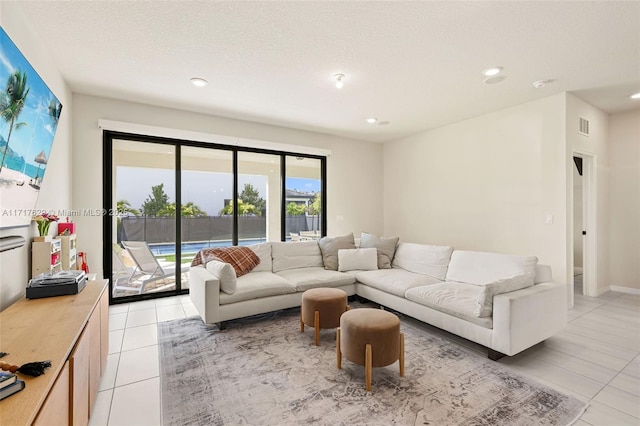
pixel 415 64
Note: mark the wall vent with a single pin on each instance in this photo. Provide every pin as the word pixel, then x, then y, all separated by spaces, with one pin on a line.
pixel 583 126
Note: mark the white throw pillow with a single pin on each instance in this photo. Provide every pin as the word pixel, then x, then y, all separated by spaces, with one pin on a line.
pixel 225 273
pixel 364 259
pixel 484 307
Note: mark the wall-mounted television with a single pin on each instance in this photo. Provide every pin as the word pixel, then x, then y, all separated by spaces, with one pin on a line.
pixel 29 116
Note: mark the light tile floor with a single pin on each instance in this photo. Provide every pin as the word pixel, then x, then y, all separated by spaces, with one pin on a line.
pixel 596 358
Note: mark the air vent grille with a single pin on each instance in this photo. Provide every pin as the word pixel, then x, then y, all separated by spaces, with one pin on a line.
pixel 583 126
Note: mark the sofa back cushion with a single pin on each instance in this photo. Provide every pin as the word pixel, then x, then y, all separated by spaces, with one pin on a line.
pixel 329 247
pixel 303 254
pixel 475 267
pixel 263 251
pixel 423 259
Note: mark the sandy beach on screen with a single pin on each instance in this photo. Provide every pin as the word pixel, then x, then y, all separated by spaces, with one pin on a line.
pixel 17 202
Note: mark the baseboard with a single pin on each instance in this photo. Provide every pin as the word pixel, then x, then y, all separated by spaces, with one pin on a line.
pixel 627 290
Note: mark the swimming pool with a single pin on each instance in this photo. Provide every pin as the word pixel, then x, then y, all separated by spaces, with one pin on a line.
pixel 164 248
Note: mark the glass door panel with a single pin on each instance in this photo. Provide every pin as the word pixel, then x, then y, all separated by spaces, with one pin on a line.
pixel 206 195
pixel 258 198
pixel 144 244
pixel 303 201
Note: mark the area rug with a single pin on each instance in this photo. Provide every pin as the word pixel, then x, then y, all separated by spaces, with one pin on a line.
pixel 263 371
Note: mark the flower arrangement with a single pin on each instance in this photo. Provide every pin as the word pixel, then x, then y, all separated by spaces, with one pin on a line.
pixel 44 221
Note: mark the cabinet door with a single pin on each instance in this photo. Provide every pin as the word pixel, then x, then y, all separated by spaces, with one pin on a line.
pixel 55 410
pixel 95 363
pixel 79 366
pixel 104 329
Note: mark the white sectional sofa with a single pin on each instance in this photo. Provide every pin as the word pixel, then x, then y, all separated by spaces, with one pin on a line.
pixel 506 303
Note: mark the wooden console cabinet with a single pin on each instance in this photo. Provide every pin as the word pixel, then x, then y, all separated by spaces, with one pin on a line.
pixel 72 332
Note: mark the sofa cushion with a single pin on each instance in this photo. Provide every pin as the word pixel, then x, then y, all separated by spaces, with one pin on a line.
pixel 329 247
pixel 386 248
pixel 257 285
pixel 263 251
pixel 364 259
pixel 484 305
pixel 225 273
pixel 303 254
pixel 394 281
pixel 307 278
pixel 475 267
pixel 423 259
pixel 457 299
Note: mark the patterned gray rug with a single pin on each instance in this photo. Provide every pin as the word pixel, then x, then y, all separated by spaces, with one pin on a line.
pixel 263 371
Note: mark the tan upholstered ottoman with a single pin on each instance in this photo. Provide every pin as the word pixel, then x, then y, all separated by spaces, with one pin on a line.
pixel 321 308
pixel 370 337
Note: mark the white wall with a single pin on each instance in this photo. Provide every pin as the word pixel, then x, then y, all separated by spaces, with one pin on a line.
pixel 624 200
pixel 485 183
pixel 595 145
pixel 354 175
pixel 55 193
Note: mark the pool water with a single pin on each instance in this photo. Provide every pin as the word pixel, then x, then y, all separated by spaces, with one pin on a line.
pixel 163 249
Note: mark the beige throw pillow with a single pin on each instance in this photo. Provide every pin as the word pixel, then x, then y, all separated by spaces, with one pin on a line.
pixel 329 247
pixel 386 248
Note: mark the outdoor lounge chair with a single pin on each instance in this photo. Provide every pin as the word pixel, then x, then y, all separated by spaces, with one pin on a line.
pixel 147 268
pixel 123 271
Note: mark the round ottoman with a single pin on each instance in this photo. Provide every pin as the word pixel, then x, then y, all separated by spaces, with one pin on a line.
pixel 370 337
pixel 321 308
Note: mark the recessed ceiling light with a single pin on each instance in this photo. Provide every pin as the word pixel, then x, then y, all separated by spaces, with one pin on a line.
pixel 492 71
pixel 541 83
pixel 372 120
pixel 339 78
pixel 383 123
pixel 635 96
pixel 494 80
pixel 199 82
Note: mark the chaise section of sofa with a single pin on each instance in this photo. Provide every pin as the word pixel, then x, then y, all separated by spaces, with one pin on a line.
pixel 526 308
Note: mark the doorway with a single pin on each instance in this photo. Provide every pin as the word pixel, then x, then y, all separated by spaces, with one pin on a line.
pixel 584 229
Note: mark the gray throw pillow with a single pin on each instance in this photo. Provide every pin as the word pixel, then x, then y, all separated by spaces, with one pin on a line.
pixel 329 247
pixel 386 248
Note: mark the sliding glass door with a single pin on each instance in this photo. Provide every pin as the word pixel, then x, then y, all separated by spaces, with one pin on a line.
pixel 259 197
pixel 303 198
pixel 174 198
pixel 144 244
pixel 207 189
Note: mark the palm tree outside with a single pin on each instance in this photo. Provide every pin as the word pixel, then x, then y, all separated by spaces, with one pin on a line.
pixel 11 104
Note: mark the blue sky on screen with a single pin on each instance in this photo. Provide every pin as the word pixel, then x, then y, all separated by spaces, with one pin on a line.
pixel 37 136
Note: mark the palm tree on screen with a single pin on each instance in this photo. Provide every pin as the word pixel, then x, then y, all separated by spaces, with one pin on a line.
pixel 11 104
pixel 55 108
